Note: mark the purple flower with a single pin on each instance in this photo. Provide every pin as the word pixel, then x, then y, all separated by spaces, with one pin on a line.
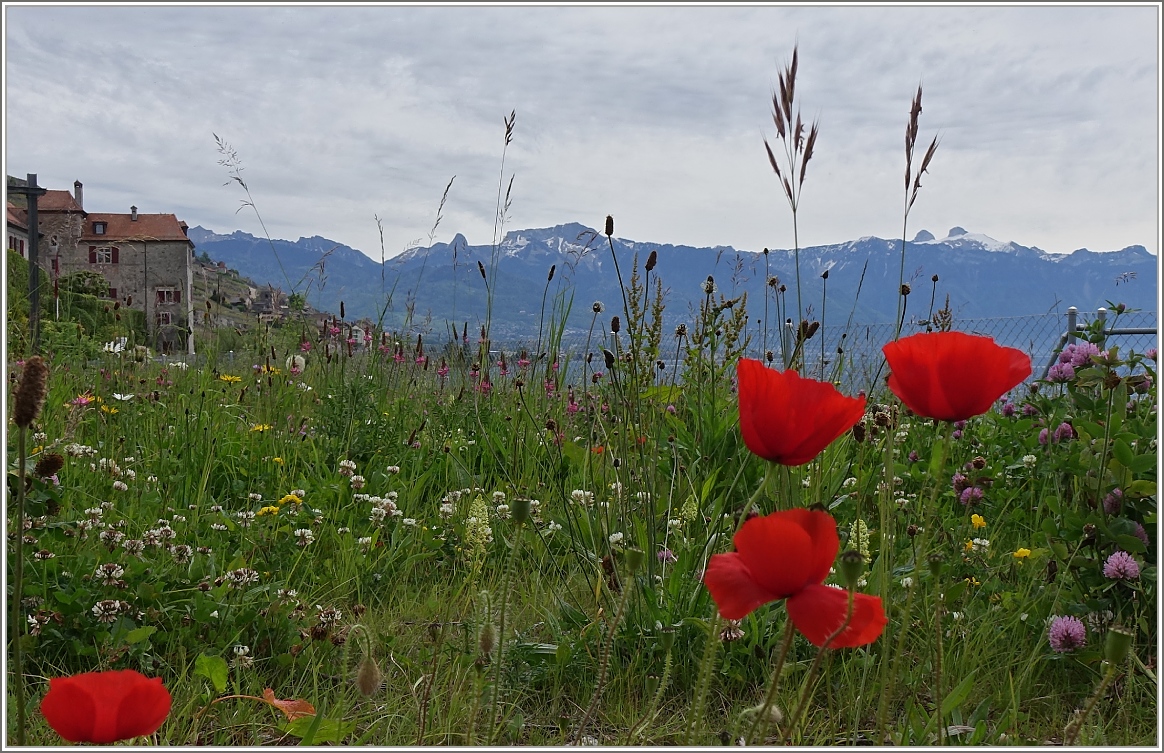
pixel 1061 372
pixel 1042 436
pixel 1121 566
pixel 959 424
pixel 1063 433
pixel 1008 409
pixel 1141 534
pixel 1067 634
pixel 971 496
pixel 913 457
pixel 666 556
pixel 957 434
pixel 1081 353
pixel 1030 410
pixel 960 483
pixel 1113 501
pixel 1150 354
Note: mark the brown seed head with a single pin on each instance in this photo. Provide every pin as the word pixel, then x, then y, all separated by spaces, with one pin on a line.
pixel 652 260
pixel 49 465
pixel 609 226
pixel 30 392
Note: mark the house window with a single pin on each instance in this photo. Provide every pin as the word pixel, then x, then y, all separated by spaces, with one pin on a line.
pixel 112 293
pixel 103 254
pixel 164 318
pixel 98 228
pixel 169 295
pixel 56 265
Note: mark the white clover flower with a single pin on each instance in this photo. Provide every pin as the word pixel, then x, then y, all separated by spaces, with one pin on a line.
pixel 849 483
pixel 553 526
pixel 906 582
pixel 615 538
pixel 410 522
pixel 503 511
pixel 120 486
pixel 393 469
pixel 1030 460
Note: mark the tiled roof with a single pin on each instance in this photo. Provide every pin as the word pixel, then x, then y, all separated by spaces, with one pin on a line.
pixel 18 217
pixel 152 227
pixel 57 201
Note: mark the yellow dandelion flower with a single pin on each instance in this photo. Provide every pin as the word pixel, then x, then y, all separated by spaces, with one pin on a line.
pixel 1021 553
pixel 277 460
pixel 229 378
pixel 969 547
pixel 261 427
pixel 289 499
pixel 977 521
pixel 268 510
pixel 107 409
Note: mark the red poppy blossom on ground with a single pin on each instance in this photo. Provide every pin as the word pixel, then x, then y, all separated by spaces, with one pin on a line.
pixel 787 555
pixel 103 707
pixel 788 419
pixel 952 376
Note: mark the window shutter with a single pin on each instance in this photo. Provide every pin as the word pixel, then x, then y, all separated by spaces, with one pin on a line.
pixel 92 254
pixel 115 250
pixel 113 293
pixel 159 296
pixel 177 295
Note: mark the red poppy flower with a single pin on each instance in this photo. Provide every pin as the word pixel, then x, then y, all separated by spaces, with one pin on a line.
pixel 952 376
pixel 788 419
pixel 103 707
pixel 787 555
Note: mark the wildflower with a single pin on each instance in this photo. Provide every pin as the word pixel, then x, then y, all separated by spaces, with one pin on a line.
pixel 120 486
pixel 108 409
pixel 1066 634
pixel 1021 553
pixel 1113 501
pixel 787 419
pixel 304 536
pixel 598 307
pixel 109 573
pixel 106 611
pixel 358 482
pixel 1007 409
pixel 616 538
pixel 1061 372
pixel 1030 460
pixel 409 522
pixel 290 499
pixel 83 400
pixel 181 553
pixel 229 378
pixel 347 467
pixel 1079 354
pixel 103 707
pixel 977 521
pixel 1063 433
pixel 1044 436
pixel 261 427
pixel 971 495
pixel 951 376
pixel 1121 566
pixel 787 555
pixel 1150 354
pixel 268 510
pixel 278 461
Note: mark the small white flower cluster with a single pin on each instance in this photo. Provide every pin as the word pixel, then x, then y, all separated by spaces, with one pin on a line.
pixel 584 498
pixel 304 536
pixel 1030 460
pixel 615 539
pixel 347 467
pixel 245 518
pixel 240 577
pixel 980 545
pixel 358 482
pixel 77 450
pixel 393 469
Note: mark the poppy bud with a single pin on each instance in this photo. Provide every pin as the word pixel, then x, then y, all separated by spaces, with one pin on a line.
pixel 1115 647
pixel 652 685
pixel 936 562
pixel 609 226
pixel 519 510
pixel 368 679
pixel 634 560
pixel 852 564
pixel 667 638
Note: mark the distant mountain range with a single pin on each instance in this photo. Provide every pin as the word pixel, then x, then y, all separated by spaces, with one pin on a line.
pixel 982 276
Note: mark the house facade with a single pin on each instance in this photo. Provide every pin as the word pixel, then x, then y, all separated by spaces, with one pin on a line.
pixel 147 260
pixel 17 226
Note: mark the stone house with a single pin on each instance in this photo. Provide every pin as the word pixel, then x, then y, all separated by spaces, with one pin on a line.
pixel 18 230
pixel 147 260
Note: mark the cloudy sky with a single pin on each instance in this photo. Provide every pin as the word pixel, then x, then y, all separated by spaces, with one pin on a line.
pixel 1048 118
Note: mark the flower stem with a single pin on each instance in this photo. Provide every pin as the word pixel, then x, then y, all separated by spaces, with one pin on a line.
pixel 513 552
pixel 809 680
pixel 15 621
pixel 760 723
pixel 704 679
pixel 1071 734
pixel 604 662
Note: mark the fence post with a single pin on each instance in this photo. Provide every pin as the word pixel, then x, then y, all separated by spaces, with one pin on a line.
pixel 1101 316
pixel 1072 313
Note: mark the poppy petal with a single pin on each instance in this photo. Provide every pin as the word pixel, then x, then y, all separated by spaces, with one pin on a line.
pixel 143 709
pixel 735 591
pixel 69 709
pixel 952 376
pixel 817 611
pixel 778 552
pixel 787 419
pixel 822 532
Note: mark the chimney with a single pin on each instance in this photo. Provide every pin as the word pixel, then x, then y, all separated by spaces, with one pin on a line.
pixel 78 195
pixel 133 214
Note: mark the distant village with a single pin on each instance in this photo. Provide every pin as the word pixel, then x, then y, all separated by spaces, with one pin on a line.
pixel 148 263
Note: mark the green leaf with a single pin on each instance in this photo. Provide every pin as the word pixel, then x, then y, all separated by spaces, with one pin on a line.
pixel 213 668
pixel 1142 463
pixel 1122 453
pixel 1131 544
pixel 1139 489
pixel 955 591
pixel 1060 550
pixel 313 730
pixel 145 631
pixel 959 694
